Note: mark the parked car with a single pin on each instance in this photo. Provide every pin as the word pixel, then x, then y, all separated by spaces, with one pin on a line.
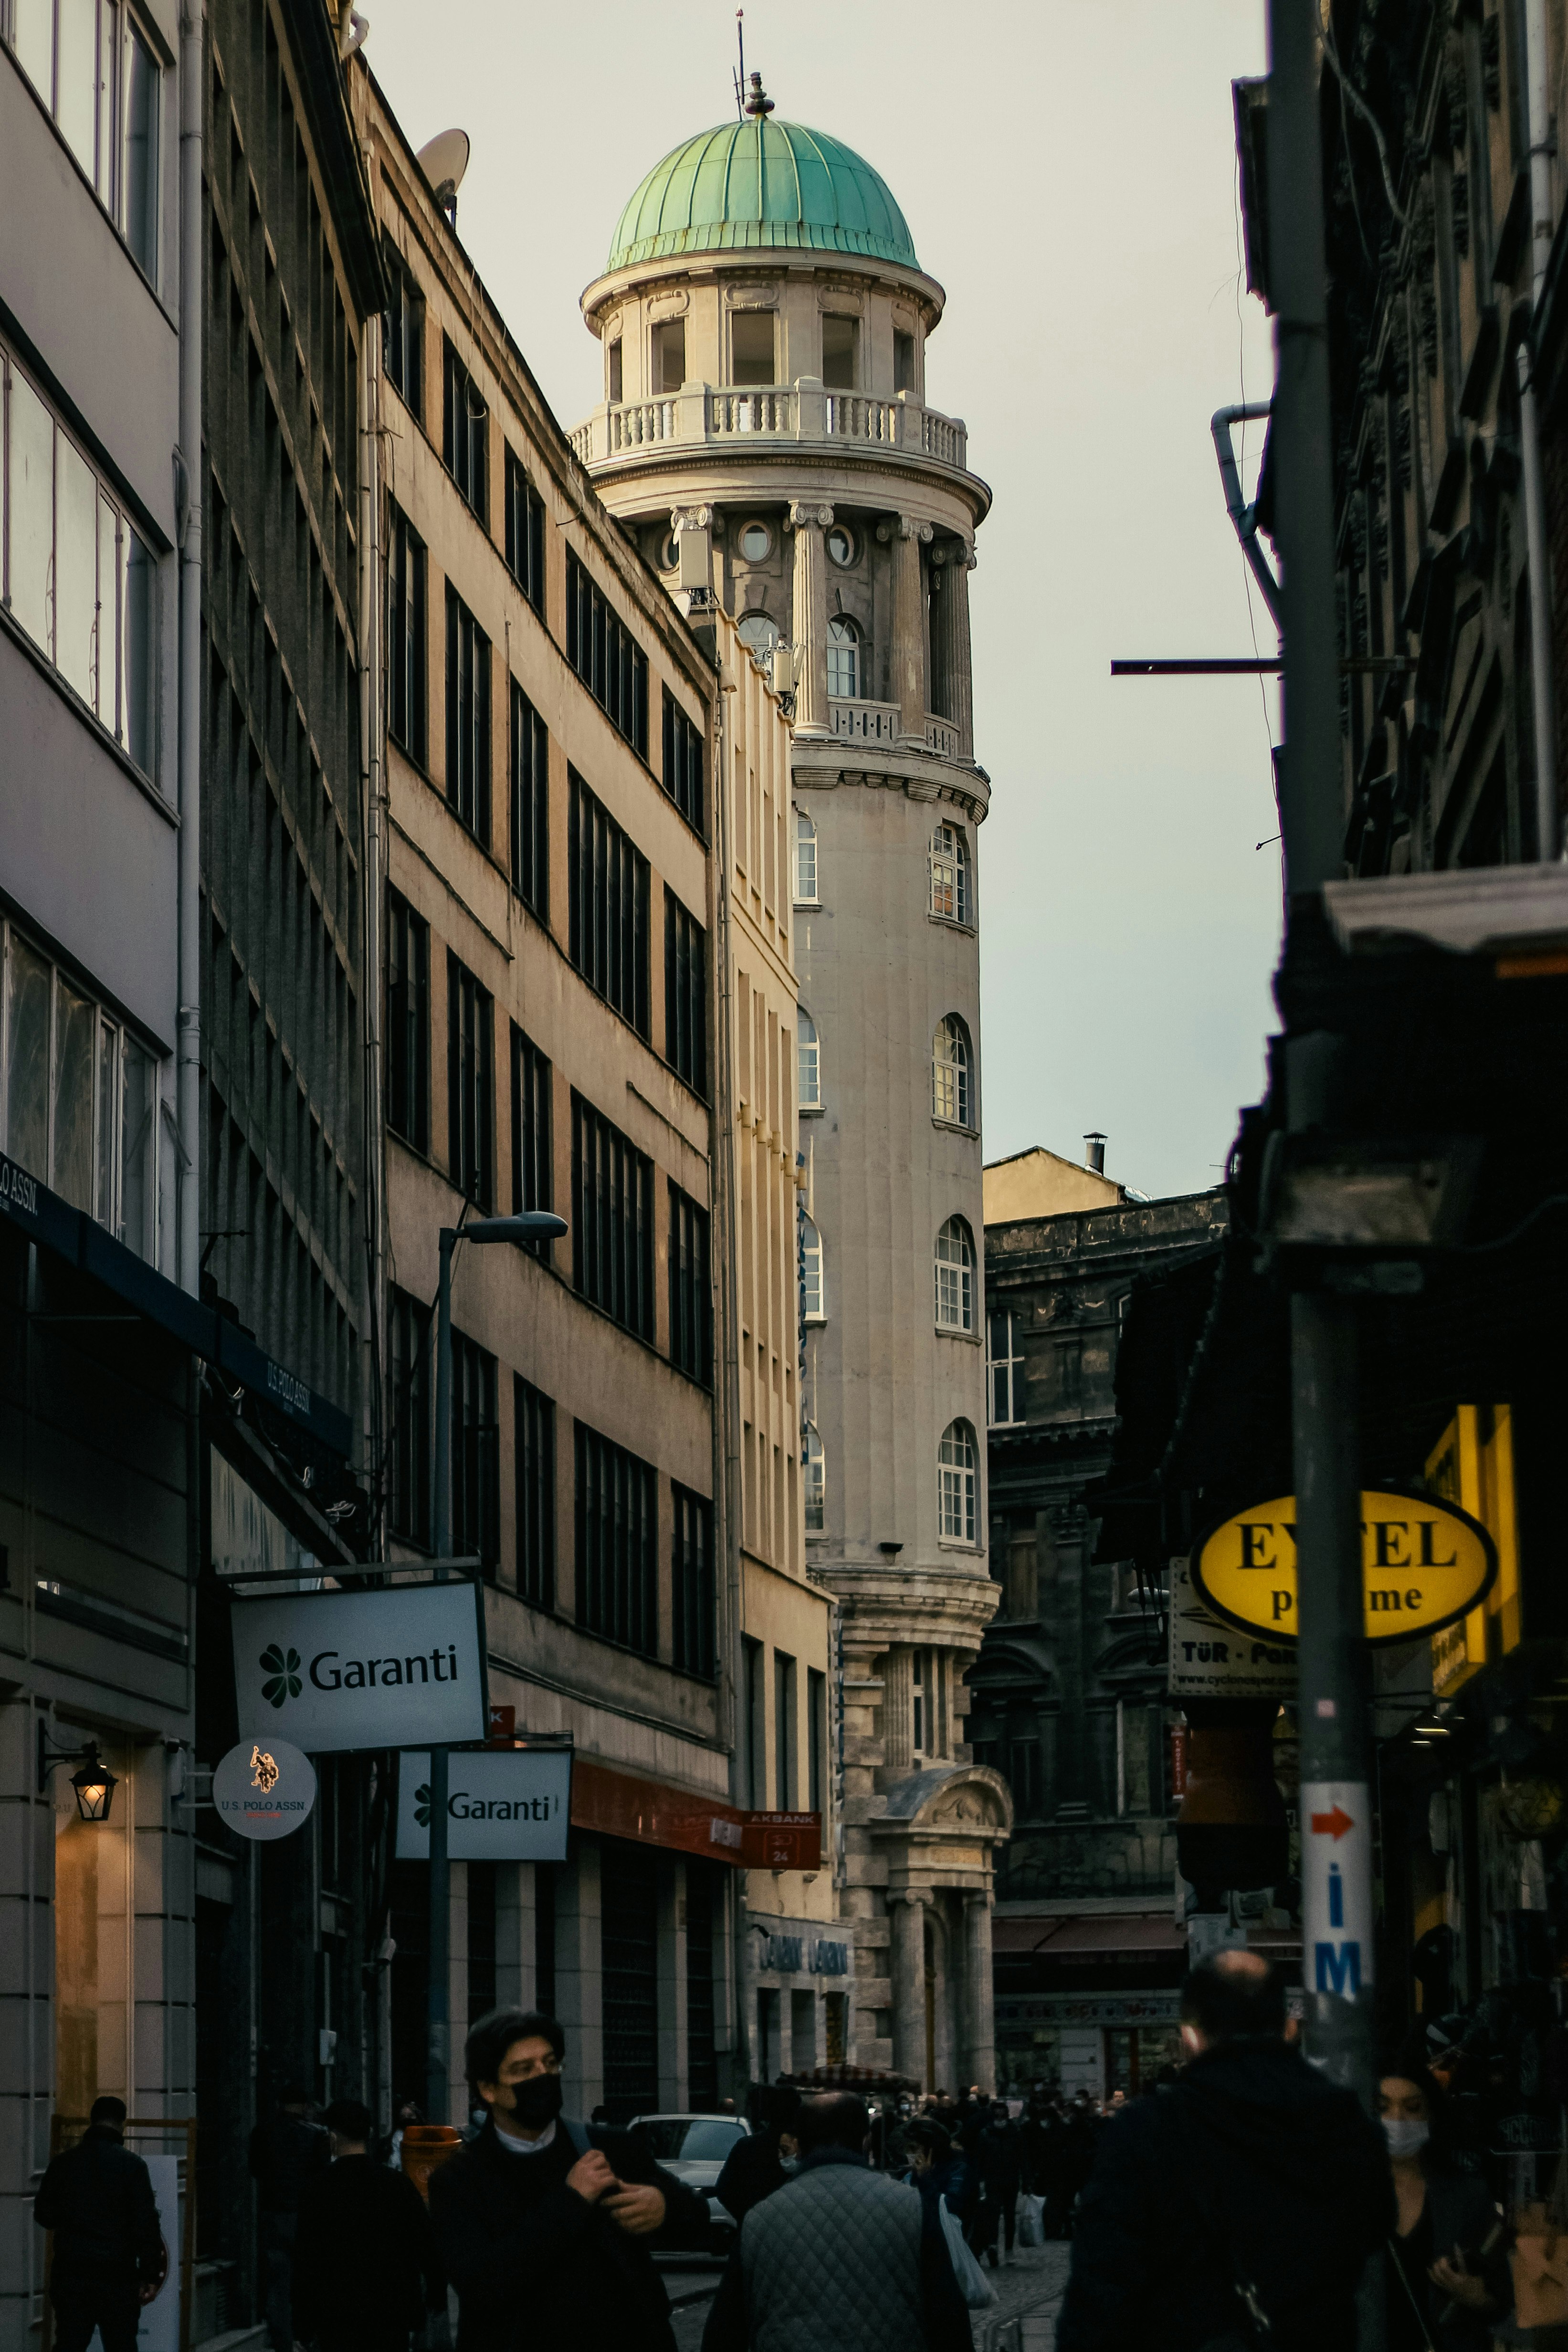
pixel 694 2148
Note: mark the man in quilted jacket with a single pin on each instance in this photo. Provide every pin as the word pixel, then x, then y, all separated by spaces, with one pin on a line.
pixel 839 2256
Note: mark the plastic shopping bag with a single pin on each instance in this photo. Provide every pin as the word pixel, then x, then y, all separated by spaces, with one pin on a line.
pixel 1031 2221
pixel 973 2284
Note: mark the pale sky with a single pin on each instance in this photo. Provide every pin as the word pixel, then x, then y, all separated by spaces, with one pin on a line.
pixel 1068 172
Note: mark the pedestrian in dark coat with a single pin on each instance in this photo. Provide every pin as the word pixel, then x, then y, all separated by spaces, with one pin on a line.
pixel 999 2154
pixel 840 2259
pixel 1252 2177
pixel 288 2158
pixel 545 2225
pixel 365 2272
pixel 1447 2277
pixel 109 2253
pixel 755 2166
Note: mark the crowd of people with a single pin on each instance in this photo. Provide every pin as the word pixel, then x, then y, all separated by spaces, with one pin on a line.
pixel 1238 2201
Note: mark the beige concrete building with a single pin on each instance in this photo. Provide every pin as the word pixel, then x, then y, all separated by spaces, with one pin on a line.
pixel 549 1004
pixel 764 322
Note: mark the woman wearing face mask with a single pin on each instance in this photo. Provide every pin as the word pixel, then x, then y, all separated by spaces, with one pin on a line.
pixel 1447 2277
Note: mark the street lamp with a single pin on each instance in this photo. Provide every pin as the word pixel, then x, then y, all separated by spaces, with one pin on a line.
pixel 95 1784
pixel 530 1225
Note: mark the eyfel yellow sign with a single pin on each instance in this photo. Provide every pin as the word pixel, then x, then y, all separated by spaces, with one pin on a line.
pixel 1424 1564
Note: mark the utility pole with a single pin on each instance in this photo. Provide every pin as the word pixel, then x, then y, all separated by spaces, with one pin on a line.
pixel 1332 1657
pixel 532 1225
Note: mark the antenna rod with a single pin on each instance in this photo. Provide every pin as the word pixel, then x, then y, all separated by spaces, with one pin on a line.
pixel 740 77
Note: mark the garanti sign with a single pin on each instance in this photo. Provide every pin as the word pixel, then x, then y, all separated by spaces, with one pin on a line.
pixel 402 1668
pixel 1423 1565
pixel 503 1804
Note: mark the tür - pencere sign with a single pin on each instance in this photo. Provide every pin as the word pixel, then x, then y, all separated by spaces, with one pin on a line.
pixel 404 1667
pixel 1424 1564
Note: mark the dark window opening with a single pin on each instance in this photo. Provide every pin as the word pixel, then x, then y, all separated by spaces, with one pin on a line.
pixel 686 994
pixel 684 763
pixel 691 1289
pixel 606 658
pixel 408 1023
pixel 612 1221
pixel 466 423
pixel 530 805
pixel 524 534
pixel 692 1598
pixel 471 1086
pixel 838 338
pixel 402 346
pixel 607 877
pixel 408 1483
pixel 617 1543
pixel 467 718
pixel 476 1456
pixel 534 1432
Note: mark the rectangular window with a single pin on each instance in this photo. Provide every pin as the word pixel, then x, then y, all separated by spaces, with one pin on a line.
pixel 617 1543
pixel 615 373
pixel 816 1734
pixel 669 352
pixel 408 720
pixel 533 1167
pixel 466 423
pixel 752 1659
pixel 74 573
pixel 524 533
pixel 408 1023
pixel 467 718
pixel 1025 1777
pixel 530 805
pixel 96 72
pixel 476 1456
pixel 607 877
pixel 1135 1727
pixel 838 338
pixel 470 1086
pixel 612 1221
pixel 534 1438
pixel 785 1737
pixel 692 1585
pixel 686 994
pixel 80 1105
pixel 691 1289
pixel 751 347
pixel 403 347
pixel 141 179
pixel 683 761
pixel 408 1500
pixel 903 360
pixel 606 658
pixel 1004 1370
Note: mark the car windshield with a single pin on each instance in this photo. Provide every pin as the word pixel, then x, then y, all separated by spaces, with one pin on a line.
pixel 694 2139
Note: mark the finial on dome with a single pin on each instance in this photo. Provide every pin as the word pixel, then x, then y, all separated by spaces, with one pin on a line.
pixel 756 98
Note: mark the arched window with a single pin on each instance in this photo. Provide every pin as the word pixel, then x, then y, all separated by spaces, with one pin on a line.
pixel 955 1277
pixel 950 874
pixel 815 1477
pixel 951 1092
pixel 805 859
pixel 844 659
pixel 812 1294
pixel 955 1484
pixel 810 1061
pixel 761 633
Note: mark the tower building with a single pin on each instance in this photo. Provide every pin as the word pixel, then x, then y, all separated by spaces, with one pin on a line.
pixel 764 435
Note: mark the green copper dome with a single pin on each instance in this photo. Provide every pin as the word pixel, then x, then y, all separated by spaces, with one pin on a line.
pixel 751 185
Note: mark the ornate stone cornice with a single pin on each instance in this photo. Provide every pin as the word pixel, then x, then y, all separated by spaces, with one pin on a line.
pixel 824 762
pixel 808 513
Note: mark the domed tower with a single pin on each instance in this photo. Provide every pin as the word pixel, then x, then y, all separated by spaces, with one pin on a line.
pixel 764 433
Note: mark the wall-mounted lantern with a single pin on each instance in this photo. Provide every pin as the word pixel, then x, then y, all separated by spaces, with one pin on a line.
pixel 94 1784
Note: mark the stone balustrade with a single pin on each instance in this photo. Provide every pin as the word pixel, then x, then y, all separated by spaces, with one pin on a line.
pixel 882 723
pixel 707 416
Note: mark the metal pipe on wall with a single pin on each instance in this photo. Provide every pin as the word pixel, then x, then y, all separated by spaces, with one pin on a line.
pixel 188 1040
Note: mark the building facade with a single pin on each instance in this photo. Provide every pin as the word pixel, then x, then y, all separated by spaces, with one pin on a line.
pixel 1069 1692
pixel 763 320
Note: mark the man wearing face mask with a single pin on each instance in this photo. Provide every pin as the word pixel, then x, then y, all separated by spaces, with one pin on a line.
pixel 545 2224
pixel 1239 2206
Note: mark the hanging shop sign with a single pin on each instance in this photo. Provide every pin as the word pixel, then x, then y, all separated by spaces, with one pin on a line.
pixel 1209 1657
pixel 1424 1564
pixel 782 1840
pixel 264 1788
pixel 400 1668
pixel 503 1804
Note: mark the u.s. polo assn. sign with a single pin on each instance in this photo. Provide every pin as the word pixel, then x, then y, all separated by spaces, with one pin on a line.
pixel 402 1668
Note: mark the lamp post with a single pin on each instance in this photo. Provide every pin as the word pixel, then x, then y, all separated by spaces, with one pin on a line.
pixel 531 1226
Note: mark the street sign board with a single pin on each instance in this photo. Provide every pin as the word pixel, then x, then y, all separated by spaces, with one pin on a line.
pixel 1209 1657
pixel 264 1789
pixel 503 1804
pixel 1424 1564
pixel 1337 1954
pixel 398 1667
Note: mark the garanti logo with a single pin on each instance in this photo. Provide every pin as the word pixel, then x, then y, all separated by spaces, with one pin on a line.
pixel 282 1669
pixel 422 1805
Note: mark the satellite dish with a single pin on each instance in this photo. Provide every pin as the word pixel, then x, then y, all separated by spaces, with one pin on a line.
pixel 444 161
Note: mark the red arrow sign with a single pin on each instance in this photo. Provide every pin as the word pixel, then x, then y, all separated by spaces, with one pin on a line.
pixel 1333 1824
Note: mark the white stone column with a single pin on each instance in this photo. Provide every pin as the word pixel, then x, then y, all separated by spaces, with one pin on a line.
pixel 675 2067
pixel 979 2008
pixel 951 566
pixel 809 617
pixel 517 1975
pixel 909 626
pixel 580 1979
pixel 908 1911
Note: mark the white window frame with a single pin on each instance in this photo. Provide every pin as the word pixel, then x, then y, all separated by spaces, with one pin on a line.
pixel 951 1076
pixel 808 1053
pixel 813 1283
pixel 1009 1366
pixel 953 1270
pixel 949 863
pixel 115 25
pixel 806 857
pixel 958 1485
pixel 844 659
